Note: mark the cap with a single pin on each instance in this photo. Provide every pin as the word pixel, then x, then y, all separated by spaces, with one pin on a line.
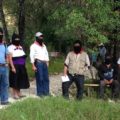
pixel 38 34
pixel 101 44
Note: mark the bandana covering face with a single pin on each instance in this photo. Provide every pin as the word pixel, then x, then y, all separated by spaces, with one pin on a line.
pixel 77 49
pixel 39 40
pixel 16 42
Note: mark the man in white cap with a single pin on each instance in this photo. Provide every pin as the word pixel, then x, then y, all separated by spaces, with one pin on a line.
pixel 39 59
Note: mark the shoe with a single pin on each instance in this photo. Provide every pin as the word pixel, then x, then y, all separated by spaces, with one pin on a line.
pixel 22 96
pixel 5 103
pixel 16 97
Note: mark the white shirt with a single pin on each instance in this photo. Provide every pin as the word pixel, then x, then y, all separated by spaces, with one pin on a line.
pixel 38 52
pixel 118 62
pixel 16 51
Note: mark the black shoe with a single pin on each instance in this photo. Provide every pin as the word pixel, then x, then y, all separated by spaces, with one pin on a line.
pixel 5 103
pixel 22 96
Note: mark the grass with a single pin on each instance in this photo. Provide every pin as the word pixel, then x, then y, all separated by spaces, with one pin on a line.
pixel 50 108
pixel 55 66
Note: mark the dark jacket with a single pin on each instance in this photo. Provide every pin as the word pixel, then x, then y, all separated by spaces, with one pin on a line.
pixel 107 73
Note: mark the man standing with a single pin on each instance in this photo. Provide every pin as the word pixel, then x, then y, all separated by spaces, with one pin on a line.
pixel 4 83
pixel 39 59
pixel 74 67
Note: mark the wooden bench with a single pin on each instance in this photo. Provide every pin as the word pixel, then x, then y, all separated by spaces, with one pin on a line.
pixel 89 86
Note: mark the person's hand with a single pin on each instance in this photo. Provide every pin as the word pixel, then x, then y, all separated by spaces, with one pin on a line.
pixel 65 74
pixel 110 81
pixel 47 64
pixel 13 70
pixel 106 81
pixel 34 68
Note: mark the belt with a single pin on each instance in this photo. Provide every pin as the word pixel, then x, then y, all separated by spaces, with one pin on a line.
pixel 40 61
pixel 3 65
pixel 75 74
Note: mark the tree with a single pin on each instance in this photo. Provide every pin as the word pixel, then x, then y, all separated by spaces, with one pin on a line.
pixel 21 21
pixel 3 21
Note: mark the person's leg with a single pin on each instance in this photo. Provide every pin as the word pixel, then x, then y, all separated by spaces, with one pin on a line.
pixel 39 78
pixel 4 85
pixel 102 87
pixel 46 79
pixel 79 80
pixel 65 87
pixel 115 89
pixel 15 93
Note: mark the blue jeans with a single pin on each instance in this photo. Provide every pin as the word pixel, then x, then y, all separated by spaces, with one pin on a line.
pixel 4 84
pixel 79 81
pixel 42 79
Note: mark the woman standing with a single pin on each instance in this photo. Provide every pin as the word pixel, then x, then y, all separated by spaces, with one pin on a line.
pixel 18 74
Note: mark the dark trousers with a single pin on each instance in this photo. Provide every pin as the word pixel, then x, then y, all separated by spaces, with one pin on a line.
pixel 115 87
pixel 79 81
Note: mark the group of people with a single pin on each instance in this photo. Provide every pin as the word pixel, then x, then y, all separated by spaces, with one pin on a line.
pixel 75 68
pixel 13 71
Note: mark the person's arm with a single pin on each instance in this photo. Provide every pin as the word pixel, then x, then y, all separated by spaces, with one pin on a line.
pixel 11 63
pixel 66 65
pixel 46 56
pixel 32 53
pixel 34 67
pixel 118 62
pixel 87 61
pixel 65 70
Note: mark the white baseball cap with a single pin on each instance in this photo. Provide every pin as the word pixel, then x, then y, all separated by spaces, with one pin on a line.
pixel 38 34
pixel 101 44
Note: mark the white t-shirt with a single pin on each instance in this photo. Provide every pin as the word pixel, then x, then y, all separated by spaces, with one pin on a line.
pixel 38 52
pixel 16 51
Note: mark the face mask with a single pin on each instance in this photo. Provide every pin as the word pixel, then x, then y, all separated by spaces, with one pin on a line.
pixel 1 37
pixel 16 43
pixel 40 41
pixel 77 49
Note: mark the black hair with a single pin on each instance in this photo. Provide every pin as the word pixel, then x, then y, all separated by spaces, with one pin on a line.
pixel 14 36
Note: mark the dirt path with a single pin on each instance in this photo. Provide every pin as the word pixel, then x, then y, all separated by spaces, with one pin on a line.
pixel 55 88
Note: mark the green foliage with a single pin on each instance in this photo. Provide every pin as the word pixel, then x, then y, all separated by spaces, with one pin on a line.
pixel 91 21
pixel 57 108
pixel 56 65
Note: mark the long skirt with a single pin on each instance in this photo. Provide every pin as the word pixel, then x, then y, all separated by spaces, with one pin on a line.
pixel 19 80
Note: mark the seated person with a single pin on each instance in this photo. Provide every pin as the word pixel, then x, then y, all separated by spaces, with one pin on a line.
pixel 108 76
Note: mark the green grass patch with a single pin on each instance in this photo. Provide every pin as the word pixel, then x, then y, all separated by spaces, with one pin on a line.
pixel 50 108
pixel 56 65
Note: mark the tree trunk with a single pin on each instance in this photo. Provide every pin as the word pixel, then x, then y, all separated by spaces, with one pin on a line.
pixel 2 17
pixel 21 23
